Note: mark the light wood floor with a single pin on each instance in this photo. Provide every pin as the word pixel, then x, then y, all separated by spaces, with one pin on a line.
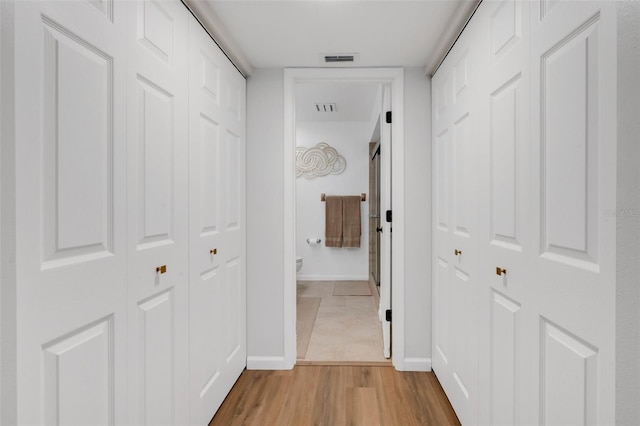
pixel 336 395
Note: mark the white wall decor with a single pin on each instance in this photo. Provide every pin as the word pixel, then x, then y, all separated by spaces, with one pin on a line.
pixel 320 160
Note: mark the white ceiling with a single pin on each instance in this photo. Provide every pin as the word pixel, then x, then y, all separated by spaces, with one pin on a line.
pixel 354 101
pixel 296 33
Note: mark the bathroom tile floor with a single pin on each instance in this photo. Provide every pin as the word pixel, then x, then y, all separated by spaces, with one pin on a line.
pixel 347 328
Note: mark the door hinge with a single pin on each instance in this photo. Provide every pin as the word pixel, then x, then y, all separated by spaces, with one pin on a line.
pixel 387 315
pixel 389 216
pixel 388 117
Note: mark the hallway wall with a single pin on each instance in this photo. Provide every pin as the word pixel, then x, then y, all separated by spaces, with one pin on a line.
pixel 417 170
pixel 265 226
pixel 628 217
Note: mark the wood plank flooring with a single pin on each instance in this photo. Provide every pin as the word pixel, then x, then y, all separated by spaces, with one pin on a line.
pixel 336 395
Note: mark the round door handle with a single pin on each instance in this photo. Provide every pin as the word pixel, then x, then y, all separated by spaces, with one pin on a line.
pixel 500 271
pixel 379 229
pixel 161 269
pixel 457 252
pixel 213 251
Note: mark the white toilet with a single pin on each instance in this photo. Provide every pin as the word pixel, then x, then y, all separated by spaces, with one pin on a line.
pixel 298 263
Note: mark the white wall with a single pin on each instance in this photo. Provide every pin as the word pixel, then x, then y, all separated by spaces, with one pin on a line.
pixel 8 318
pixel 417 172
pixel 265 227
pixel 628 220
pixel 265 224
pixel 351 140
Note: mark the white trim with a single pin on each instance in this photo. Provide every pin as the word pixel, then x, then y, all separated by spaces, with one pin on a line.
pixel 266 363
pixel 220 34
pixel 456 25
pixel 394 77
pixel 332 278
pixel 417 364
pixel 289 217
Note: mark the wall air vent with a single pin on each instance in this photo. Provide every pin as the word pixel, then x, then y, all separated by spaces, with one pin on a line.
pixel 339 58
pixel 324 107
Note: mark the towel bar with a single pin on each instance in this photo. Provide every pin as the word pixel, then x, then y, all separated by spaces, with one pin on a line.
pixel 323 197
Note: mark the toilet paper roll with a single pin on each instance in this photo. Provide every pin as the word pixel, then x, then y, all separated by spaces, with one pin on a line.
pixel 314 240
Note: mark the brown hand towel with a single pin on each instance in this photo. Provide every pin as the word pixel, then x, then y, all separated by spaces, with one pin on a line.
pixel 333 221
pixel 351 229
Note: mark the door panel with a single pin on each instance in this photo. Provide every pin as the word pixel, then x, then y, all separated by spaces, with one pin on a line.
pixel 463 178
pixel 569 108
pixel 77 224
pixel 506 163
pixel 569 378
pixel 70 212
pixel 156 318
pixel 505 359
pixel 78 375
pixel 217 280
pixel 157 209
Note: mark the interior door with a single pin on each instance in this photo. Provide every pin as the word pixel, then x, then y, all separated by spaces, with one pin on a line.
pixel 71 214
pixel 455 331
pixel 217 280
pixel 505 239
pixel 157 135
pixel 385 239
pixel 573 174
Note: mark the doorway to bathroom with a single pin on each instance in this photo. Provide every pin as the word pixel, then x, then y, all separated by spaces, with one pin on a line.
pixel 337 303
pixel 345 320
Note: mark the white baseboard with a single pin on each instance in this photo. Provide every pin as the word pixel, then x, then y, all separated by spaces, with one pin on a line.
pixel 417 364
pixel 332 277
pixel 266 363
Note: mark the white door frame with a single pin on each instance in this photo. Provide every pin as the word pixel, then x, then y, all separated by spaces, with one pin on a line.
pixel 395 78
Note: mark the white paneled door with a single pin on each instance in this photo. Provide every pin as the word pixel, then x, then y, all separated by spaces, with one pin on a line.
pixel 130 215
pixel 541 286
pixel 573 173
pixel 217 280
pixel 455 118
pixel 157 209
pixel 504 217
pixel 70 221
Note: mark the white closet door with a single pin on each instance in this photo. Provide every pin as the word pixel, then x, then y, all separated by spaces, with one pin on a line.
pixel 157 185
pixel 216 225
pixel 571 291
pixel 71 194
pixel 546 130
pixel 455 358
pixel 505 237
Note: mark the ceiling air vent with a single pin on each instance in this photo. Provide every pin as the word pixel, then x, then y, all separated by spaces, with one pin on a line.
pixel 324 107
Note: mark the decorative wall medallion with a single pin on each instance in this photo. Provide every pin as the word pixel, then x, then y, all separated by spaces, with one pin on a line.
pixel 320 160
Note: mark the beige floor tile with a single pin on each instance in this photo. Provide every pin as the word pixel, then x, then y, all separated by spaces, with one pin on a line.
pixel 347 327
